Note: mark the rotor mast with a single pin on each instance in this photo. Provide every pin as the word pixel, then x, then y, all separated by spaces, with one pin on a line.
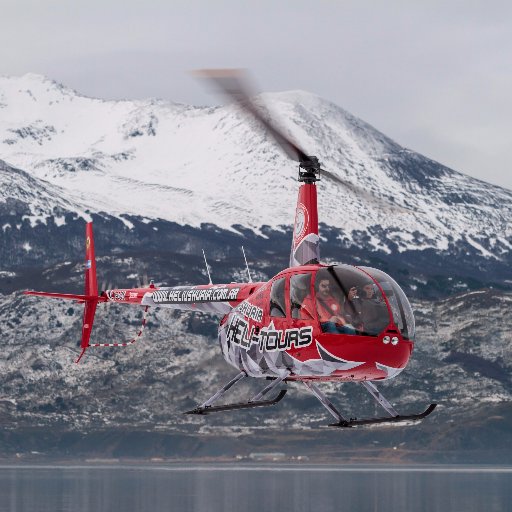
pixel 305 248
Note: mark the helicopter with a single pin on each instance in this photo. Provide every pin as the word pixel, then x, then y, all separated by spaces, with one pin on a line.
pixel 310 323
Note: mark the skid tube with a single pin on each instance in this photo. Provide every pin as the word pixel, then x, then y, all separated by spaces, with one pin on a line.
pixel 354 422
pixel 342 422
pixel 256 401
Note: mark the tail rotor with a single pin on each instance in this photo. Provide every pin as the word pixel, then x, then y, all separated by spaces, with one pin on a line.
pixel 90 297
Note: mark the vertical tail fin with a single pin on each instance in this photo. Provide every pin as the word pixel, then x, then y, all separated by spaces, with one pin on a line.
pixel 91 283
pixel 306 242
pixel 91 290
pixel 90 299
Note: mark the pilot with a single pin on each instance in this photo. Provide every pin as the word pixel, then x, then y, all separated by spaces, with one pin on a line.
pixel 368 291
pixel 374 314
pixel 330 310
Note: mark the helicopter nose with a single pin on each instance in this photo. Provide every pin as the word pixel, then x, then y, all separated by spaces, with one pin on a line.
pixel 342 364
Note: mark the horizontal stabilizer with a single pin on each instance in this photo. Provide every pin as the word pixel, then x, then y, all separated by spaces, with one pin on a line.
pixel 68 296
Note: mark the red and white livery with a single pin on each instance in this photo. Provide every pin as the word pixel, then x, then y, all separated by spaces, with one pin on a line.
pixel 309 323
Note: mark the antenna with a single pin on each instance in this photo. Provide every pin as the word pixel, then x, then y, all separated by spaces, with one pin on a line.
pixel 247 266
pixel 207 268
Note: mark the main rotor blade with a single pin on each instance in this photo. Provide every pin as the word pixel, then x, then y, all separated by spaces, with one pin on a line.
pixel 233 83
pixel 362 193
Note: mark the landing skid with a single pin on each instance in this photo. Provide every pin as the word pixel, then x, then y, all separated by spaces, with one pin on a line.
pixel 241 405
pixel 393 417
pixel 256 401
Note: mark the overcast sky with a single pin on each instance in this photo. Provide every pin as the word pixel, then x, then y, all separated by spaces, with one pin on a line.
pixel 436 76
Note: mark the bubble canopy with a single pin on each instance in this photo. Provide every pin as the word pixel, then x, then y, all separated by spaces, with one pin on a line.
pixel 361 300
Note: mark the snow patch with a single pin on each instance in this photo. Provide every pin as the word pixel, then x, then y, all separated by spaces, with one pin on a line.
pixel 59 221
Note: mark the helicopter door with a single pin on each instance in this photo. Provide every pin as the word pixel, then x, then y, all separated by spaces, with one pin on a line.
pixel 300 289
pixel 278 299
pixel 273 334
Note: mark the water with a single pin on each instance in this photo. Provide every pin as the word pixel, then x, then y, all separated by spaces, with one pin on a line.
pixel 251 488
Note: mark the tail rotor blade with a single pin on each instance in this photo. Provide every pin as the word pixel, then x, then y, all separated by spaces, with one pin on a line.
pixel 109 303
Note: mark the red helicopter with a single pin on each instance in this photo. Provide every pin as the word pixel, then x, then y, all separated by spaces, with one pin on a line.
pixel 310 323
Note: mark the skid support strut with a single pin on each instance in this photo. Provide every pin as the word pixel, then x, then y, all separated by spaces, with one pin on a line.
pixel 372 389
pixel 257 401
pixel 325 402
pixel 393 417
pixel 223 390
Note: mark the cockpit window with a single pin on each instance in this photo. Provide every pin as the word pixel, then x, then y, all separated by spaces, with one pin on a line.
pixel 400 307
pixel 300 288
pixel 277 300
pixel 349 302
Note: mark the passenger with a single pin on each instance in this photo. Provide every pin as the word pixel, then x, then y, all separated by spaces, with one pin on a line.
pixel 330 311
pixel 300 297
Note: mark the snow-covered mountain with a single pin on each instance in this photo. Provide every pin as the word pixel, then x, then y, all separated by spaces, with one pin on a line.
pixel 191 165
pixel 161 181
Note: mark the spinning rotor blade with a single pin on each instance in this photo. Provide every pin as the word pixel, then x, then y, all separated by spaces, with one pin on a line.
pixel 362 193
pixel 233 83
pixel 353 188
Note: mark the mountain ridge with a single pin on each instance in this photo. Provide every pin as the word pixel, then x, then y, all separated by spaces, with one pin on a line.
pixel 224 162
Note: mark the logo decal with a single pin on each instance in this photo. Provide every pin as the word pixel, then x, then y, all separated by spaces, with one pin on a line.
pixel 268 338
pixel 87 243
pixel 301 222
pixel 191 295
pixel 117 295
pixel 250 311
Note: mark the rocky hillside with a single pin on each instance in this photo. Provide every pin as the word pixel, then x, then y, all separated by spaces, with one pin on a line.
pixel 142 390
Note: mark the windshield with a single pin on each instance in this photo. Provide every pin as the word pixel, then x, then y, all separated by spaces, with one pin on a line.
pixel 349 302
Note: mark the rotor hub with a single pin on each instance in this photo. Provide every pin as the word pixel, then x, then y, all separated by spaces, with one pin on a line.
pixel 309 170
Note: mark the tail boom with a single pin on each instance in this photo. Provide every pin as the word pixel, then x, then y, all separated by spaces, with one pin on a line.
pixel 68 296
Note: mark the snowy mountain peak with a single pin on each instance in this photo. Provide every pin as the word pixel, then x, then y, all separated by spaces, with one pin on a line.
pixel 33 87
pixel 195 165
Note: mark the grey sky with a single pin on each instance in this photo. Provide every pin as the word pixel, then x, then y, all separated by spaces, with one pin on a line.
pixel 435 76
